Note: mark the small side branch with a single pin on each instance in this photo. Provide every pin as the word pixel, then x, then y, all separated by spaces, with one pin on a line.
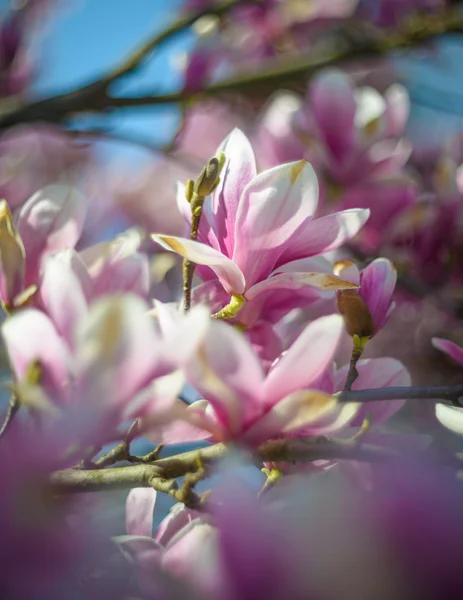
pixel 13 407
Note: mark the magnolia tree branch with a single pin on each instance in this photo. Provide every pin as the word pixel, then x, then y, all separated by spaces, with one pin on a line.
pixel 161 473
pixel 448 393
pixel 347 43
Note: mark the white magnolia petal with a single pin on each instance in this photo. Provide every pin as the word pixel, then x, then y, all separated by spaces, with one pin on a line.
pixel 226 270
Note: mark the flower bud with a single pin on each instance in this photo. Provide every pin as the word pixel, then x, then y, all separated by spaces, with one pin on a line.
pixel 356 315
pixel 207 180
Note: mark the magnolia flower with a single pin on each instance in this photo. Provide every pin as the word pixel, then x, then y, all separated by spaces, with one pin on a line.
pixel 295 398
pixel 115 367
pixel 450 416
pixel 255 228
pixel 71 281
pixel 168 547
pixel 367 310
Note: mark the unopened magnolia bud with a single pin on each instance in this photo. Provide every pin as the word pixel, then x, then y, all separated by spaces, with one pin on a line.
pixel 356 315
pixel 12 257
pixel 208 178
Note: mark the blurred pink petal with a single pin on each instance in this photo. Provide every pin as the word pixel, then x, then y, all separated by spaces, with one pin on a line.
pixel 65 290
pixel 332 102
pixel 52 219
pixel 139 508
pixel 449 348
pixel 31 339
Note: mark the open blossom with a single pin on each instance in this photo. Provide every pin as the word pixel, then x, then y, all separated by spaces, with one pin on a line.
pixel 256 230
pixel 163 548
pixel 367 310
pixel 294 399
pixel 450 416
pixel 354 138
pixel 114 367
pixel 51 219
pixel 70 281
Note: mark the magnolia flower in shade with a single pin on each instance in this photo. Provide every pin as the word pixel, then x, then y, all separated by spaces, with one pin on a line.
pixel 121 364
pixel 366 311
pixel 450 416
pixel 242 403
pixel 167 547
pixel 295 398
pixel 253 227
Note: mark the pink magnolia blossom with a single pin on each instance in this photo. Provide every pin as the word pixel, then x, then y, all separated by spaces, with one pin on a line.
pixel 116 364
pixel 376 288
pixel 450 417
pixel 354 138
pixel 295 398
pixel 71 281
pixel 255 228
pixel 168 547
pixel 52 219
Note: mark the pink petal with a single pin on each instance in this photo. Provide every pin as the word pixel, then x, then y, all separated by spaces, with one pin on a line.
pixel 347 270
pixel 294 412
pixel 377 284
pixel 229 375
pixel 30 337
pixel 64 291
pixel 288 290
pixel 52 219
pixel 274 207
pixel 390 198
pixel 139 508
pixel 333 106
pixel 226 270
pixel 126 274
pixel 192 554
pixel 181 333
pixel 178 517
pixel 306 360
pixel 118 351
pixel 326 233
pixel 449 348
pixel 190 423
pixel 376 373
pixel 210 294
pixel 397 109
pixel 238 171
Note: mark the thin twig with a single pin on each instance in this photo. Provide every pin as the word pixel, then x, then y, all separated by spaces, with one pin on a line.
pixel 13 407
pixel 448 393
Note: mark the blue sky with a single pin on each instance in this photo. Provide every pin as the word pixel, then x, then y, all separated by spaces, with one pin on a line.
pixel 89 37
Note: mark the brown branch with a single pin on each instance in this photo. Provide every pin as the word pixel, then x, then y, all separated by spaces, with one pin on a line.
pixel 448 393
pixel 290 450
pixel 337 47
